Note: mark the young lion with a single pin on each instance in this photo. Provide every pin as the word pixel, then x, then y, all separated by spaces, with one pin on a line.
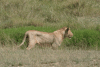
pixel 55 38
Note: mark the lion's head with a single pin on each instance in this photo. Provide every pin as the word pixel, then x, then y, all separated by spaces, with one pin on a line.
pixel 68 33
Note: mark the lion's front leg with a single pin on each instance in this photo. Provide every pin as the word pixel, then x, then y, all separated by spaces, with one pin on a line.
pixel 54 46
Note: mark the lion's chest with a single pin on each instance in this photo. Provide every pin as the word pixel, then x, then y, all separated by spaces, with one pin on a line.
pixel 58 36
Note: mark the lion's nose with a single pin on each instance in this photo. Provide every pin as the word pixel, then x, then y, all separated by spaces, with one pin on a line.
pixel 71 35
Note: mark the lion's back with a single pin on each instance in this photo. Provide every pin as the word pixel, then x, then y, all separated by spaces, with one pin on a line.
pixel 41 37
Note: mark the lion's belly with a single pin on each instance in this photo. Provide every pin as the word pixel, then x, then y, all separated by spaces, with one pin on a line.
pixel 45 39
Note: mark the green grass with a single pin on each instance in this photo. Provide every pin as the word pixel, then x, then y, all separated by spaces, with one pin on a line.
pixel 85 39
pixel 82 38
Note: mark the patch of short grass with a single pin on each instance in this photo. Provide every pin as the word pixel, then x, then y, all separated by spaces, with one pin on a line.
pixel 83 38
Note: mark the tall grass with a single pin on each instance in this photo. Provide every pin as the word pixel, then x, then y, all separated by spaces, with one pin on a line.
pixel 47 12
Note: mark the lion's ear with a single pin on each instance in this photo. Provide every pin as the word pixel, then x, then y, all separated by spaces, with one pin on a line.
pixel 67 30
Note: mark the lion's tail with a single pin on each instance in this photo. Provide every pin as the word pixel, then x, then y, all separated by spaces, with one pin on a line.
pixel 23 40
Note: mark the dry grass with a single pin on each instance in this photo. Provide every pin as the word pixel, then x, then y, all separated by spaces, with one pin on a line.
pixel 57 13
pixel 46 57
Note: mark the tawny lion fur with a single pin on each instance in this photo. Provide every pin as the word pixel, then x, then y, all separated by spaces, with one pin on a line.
pixel 55 38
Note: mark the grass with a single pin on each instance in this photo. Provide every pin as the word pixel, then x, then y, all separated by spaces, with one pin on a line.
pixel 56 13
pixel 47 57
pixel 84 39
pixel 19 16
pixel 49 16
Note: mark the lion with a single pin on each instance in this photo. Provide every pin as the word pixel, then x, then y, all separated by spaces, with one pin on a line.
pixel 38 37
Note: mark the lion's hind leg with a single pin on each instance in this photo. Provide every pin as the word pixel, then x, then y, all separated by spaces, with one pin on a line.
pixel 31 44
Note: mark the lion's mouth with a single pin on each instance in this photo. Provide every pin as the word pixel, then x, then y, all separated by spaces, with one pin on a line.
pixel 69 37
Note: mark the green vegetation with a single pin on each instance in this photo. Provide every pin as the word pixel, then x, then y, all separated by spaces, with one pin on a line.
pixel 82 38
pixel 85 39
pixel 82 16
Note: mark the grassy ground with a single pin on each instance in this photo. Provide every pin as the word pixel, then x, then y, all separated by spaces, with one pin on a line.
pixel 38 57
pixel 19 16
